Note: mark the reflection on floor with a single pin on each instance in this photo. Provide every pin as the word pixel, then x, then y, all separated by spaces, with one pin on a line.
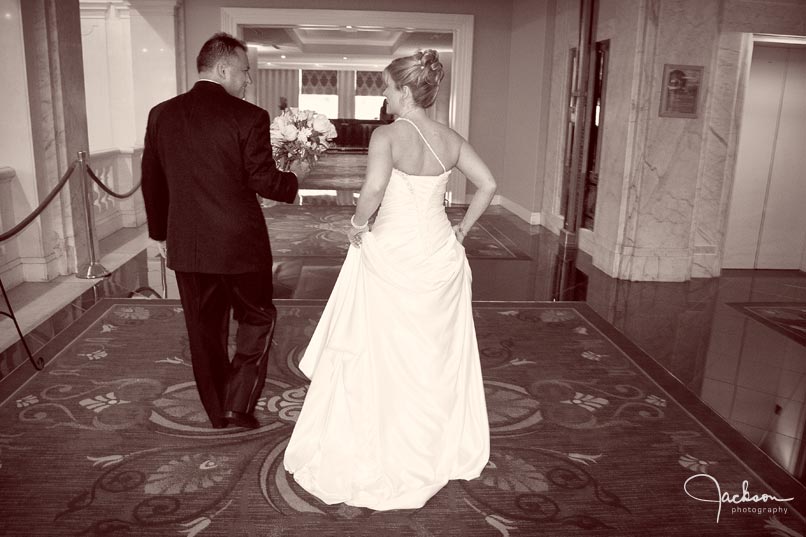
pixel 749 373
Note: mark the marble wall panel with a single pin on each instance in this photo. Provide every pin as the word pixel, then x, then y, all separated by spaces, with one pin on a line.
pixel 785 17
pixel 18 176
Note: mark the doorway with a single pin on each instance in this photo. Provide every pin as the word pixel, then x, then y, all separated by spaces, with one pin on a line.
pixel 766 223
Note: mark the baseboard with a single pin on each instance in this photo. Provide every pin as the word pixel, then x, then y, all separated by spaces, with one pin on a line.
pixel 533 218
pixel 552 222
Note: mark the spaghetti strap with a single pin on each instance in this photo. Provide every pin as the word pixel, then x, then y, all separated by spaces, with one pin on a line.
pixel 444 169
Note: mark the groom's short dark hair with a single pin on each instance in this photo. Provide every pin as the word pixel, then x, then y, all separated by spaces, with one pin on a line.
pixel 220 46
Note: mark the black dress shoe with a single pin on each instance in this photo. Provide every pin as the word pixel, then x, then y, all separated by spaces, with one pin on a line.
pixel 242 419
pixel 219 423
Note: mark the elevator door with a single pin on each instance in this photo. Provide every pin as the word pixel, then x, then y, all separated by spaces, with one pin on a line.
pixel 767 214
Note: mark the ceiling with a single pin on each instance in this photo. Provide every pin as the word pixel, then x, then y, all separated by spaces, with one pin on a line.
pixel 339 47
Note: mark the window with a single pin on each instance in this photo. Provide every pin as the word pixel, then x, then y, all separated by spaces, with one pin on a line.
pixel 368 106
pixel 321 104
pixel 319 92
pixel 368 94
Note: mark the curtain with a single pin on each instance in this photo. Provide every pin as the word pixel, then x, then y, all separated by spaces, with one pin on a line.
pixel 369 83
pixel 275 83
pixel 346 89
pixel 319 82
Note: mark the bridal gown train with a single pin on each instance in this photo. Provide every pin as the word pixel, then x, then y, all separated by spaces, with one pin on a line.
pixel 396 404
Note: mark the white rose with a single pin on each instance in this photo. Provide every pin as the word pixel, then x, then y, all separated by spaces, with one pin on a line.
pixel 331 132
pixel 289 133
pixel 321 123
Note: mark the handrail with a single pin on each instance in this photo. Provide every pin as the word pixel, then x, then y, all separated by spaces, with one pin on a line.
pixel 41 207
pixel 103 153
pixel 91 270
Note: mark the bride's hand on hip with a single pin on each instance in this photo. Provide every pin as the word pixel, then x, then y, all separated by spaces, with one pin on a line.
pixel 355 232
pixel 459 232
pixel 355 235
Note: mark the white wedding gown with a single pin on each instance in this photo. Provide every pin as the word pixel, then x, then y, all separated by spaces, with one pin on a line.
pixel 396 404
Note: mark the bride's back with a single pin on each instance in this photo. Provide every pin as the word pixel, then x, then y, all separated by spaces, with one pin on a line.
pixel 411 155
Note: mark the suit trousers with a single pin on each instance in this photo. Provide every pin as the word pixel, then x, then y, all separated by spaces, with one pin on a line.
pixel 207 301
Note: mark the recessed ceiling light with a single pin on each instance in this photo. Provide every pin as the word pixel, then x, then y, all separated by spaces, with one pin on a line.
pixel 344 57
pixel 282 56
pixel 348 27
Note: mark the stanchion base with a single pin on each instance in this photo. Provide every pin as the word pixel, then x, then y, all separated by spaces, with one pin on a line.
pixel 92 271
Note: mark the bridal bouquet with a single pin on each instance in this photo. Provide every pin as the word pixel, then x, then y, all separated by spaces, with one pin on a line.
pixel 300 135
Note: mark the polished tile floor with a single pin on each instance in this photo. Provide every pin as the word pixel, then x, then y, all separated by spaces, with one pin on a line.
pixel 753 376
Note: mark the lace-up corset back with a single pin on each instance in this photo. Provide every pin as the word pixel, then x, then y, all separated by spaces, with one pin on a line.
pixel 413 207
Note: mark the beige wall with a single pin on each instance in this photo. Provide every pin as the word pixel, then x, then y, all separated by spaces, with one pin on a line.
pixel 490 54
pixel 526 107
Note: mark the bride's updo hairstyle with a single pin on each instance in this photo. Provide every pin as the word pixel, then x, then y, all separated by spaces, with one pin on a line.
pixel 421 72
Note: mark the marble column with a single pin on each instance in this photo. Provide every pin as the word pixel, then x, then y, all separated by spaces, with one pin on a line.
pixel 664 170
pixel 723 116
pixel 53 58
pixel 18 193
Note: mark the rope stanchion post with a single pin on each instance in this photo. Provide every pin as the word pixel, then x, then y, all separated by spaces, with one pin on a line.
pixel 93 269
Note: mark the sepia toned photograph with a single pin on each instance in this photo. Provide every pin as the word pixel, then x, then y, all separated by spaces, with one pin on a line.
pixel 303 268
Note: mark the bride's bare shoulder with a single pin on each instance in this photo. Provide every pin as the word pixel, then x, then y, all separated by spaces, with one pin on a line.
pixel 450 136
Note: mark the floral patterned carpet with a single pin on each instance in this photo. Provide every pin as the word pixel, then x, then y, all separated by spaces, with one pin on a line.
pixel 787 318
pixel 321 231
pixel 110 439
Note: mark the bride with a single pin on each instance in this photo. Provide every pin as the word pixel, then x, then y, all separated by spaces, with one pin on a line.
pixel 396 404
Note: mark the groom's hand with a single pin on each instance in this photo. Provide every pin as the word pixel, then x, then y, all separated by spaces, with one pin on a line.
pixel 162 250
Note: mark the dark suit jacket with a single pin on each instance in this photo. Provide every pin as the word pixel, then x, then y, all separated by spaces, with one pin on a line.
pixel 206 155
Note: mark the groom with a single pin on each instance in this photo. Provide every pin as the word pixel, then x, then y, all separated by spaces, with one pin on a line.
pixel 207 153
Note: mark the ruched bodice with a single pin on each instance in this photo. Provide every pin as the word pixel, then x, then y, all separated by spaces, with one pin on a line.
pixel 411 221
